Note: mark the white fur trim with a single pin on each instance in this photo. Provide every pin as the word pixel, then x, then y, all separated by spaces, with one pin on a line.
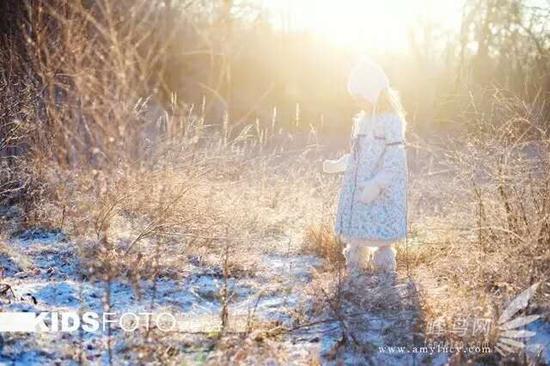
pixel 352 253
pixel 384 259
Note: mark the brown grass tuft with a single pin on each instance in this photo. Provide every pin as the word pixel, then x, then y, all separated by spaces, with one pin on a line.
pixel 321 241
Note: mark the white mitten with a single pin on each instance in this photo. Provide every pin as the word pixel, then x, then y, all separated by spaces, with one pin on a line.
pixel 336 166
pixel 370 191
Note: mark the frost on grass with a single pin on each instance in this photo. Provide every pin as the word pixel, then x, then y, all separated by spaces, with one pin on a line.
pixel 275 306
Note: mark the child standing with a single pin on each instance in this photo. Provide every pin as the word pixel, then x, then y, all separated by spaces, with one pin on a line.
pixel 373 199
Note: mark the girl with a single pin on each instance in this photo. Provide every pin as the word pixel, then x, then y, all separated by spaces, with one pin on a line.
pixel 372 207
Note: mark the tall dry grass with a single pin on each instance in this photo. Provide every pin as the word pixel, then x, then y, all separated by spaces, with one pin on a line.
pixel 483 237
pixel 138 187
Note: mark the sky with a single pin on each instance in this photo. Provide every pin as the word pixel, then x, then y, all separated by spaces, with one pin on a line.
pixel 378 24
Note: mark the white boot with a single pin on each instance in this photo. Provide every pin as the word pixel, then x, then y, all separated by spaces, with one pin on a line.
pixel 384 259
pixel 352 253
pixel 367 255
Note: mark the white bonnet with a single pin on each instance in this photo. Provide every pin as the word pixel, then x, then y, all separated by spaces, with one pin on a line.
pixel 367 79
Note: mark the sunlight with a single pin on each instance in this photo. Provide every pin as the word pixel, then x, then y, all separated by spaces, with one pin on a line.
pixel 371 24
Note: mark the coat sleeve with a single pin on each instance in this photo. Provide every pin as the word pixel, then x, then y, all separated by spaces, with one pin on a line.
pixel 394 161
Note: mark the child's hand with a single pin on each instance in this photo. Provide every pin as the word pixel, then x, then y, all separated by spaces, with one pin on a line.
pixel 369 192
pixel 329 166
pixel 336 166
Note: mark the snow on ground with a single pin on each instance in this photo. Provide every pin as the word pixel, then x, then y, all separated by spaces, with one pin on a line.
pixel 45 277
pixel 43 270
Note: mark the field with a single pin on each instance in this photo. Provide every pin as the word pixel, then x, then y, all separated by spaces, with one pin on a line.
pixel 193 217
pixel 236 240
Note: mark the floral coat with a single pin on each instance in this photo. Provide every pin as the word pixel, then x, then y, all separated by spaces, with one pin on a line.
pixel 378 155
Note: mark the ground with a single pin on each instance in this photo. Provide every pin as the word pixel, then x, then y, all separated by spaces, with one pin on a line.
pixel 245 261
pixel 283 292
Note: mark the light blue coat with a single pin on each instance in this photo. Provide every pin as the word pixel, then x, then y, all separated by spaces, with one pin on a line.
pixel 378 156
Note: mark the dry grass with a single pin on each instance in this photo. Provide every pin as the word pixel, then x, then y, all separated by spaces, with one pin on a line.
pixel 491 240
pixel 486 243
pixel 141 196
pixel 467 259
pixel 322 242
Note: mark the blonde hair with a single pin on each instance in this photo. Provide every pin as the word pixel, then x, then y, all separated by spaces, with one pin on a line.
pixel 390 102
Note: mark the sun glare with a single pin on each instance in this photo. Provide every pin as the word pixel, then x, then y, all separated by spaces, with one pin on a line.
pixel 371 24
